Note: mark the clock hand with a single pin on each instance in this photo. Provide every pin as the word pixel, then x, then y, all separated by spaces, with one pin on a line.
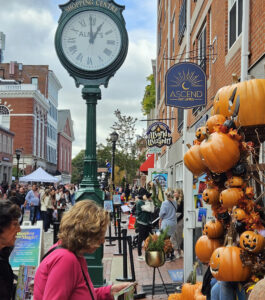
pixel 91 32
pixel 97 31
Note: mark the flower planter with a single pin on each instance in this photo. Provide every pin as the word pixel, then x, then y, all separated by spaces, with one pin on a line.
pixel 155 259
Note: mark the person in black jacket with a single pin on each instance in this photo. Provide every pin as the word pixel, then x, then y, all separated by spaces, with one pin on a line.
pixel 9 227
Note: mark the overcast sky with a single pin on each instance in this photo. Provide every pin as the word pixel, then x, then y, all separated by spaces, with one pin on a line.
pixel 30 25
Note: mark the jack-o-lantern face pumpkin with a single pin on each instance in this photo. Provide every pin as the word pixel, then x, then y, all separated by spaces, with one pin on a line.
pixel 239 214
pixel 201 133
pixel 213 229
pixel 226 265
pixel 234 181
pixel 252 241
pixel 210 196
pixel 230 197
pixel 214 121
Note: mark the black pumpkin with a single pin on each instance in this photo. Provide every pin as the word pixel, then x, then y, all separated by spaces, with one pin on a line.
pixel 229 124
pixel 218 178
pixel 224 216
pixel 239 169
pixel 240 227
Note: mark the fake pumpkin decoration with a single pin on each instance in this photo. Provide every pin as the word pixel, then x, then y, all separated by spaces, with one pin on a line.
pixel 252 241
pixel 213 229
pixel 250 103
pixel 210 196
pixel 214 121
pixel 219 152
pixel 193 161
pixel 204 248
pixel 230 197
pixel 239 214
pixel 226 265
pixel 175 296
pixel 201 133
pixel 234 181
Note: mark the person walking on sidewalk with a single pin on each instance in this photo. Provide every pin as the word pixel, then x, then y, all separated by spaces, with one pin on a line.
pixel 9 227
pixel 143 218
pixel 33 200
pixel 63 274
pixel 45 200
pixel 168 218
pixel 179 197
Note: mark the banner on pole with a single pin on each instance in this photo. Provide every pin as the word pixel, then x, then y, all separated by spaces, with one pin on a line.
pixel 186 86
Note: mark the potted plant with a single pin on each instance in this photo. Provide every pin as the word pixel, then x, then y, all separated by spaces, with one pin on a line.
pixel 156 246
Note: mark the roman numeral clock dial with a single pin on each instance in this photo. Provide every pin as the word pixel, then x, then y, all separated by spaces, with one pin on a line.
pixel 91 40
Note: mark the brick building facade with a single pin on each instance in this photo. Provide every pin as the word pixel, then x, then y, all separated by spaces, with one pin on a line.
pixel 216 43
pixel 65 139
pixel 29 100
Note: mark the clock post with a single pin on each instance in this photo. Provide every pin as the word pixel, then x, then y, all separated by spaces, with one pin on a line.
pixel 91 42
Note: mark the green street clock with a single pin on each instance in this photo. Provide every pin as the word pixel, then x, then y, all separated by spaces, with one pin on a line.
pixel 91 40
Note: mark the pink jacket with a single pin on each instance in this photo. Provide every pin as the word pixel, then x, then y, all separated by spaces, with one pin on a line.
pixel 59 277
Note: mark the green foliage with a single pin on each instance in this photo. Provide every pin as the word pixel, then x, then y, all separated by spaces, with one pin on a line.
pixel 78 167
pixel 157 244
pixel 149 100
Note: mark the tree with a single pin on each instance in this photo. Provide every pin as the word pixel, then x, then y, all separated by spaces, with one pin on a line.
pixel 78 167
pixel 149 100
pixel 125 127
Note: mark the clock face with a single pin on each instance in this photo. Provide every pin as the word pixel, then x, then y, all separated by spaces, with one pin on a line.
pixel 91 40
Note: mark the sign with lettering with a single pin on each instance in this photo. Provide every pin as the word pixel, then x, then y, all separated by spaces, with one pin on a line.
pixel 27 248
pixel 186 86
pixel 158 135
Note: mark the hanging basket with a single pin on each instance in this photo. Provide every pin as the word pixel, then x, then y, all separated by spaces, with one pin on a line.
pixel 155 259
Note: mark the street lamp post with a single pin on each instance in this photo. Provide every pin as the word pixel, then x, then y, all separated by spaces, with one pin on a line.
pixel 18 154
pixel 114 137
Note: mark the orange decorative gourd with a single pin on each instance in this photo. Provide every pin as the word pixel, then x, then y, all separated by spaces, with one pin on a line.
pixel 188 291
pixel 204 248
pixel 201 133
pixel 252 241
pixel 251 102
pixel 214 121
pixel 213 229
pixel 176 296
pixel 239 214
pixel 193 161
pixel 219 152
pixel 226 265
pixel 210 196
pixel 234 181
pixel 230 197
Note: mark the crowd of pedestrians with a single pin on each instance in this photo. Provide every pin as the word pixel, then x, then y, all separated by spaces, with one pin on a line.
pixel 44 202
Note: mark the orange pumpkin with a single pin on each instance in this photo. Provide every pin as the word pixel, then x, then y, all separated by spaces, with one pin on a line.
pixel 204 248
pixel 239 214
pixel 213 229
pixel 234 181
pixel 251 102
pixel 201 133
pixel 193 161
pixel 214 121
pixel 210 196
pixel 226 265
pixel 175 296
pixel 252 241
pixel 188 291
pixel 230 197
pixel 220 152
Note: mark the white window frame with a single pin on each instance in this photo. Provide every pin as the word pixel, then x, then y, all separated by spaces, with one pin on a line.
pixel 173 33
pixel 231 4
pixel 179 174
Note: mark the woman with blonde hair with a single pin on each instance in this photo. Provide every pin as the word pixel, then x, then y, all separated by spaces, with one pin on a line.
pixel 179 197
pixel 63 274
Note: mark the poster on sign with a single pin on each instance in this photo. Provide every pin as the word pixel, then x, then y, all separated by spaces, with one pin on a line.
pixel 27 247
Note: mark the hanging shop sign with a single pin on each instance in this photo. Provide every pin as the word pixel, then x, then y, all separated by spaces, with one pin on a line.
pixel 158 135
pixel 186 86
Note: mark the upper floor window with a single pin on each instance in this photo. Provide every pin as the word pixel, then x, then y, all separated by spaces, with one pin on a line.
pixel 35 81
pixel 182 21
pixel 202 49
pixel 235 9
pixel 4 116
pixel 180 118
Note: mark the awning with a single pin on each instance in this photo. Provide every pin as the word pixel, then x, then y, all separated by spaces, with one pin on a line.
pixel 149 163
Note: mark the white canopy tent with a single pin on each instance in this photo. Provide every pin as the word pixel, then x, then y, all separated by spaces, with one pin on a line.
pixel 38 175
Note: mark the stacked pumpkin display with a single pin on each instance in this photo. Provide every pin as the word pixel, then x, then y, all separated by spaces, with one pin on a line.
pixel 232 244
